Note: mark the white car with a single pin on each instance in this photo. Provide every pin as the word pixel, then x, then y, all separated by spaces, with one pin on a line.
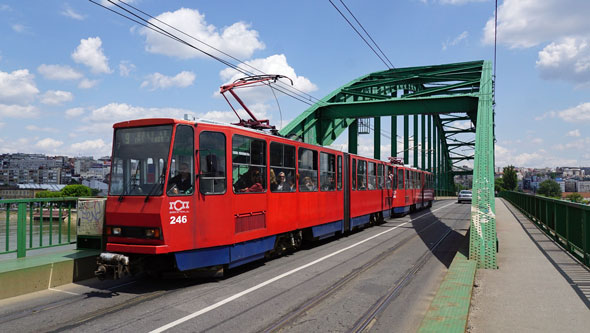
pixel 464 195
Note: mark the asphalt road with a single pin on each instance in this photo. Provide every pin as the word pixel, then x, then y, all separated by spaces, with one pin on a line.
pixel 382 278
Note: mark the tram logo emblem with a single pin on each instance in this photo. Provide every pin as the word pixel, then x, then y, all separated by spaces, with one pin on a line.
pixel 179 206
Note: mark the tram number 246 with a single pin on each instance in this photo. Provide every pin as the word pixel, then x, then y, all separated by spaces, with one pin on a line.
pixel 178 219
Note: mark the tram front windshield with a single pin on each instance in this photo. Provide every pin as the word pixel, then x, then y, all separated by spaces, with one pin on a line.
pixel 139 163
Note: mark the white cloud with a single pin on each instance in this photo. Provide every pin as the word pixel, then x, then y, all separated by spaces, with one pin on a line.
pixel 18 111
pixel 101 120
pixel 2 124
pixel 527 23
pixel 48 144
pixel 35 128
pixel 575 114
pixel 574 133
pixel 87 84
pixel 59 72
pixel 275 64
pixel 19 28
pixel 237 39
pixel 69 12
pixel 91 147
pixel 74 112
pixel 536 141
pixel 125 68
pixel 455 41
pixel 90 53
pixel 161 81
pixel 56 97
pixel 568 59
pixel 17 87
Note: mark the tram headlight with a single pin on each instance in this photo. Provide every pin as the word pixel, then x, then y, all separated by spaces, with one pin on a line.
pixel 152 233
pixel 116 231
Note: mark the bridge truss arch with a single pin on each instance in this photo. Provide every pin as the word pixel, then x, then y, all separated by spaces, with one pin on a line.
pixel 452 108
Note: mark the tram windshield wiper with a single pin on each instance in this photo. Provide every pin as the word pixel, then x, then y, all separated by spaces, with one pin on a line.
pixel 156 185
pixel 129 183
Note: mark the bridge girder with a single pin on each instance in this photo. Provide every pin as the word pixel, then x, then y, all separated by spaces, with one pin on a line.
pixel 448 96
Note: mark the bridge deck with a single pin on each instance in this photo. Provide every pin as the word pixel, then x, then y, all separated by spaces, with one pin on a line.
pixel 538 286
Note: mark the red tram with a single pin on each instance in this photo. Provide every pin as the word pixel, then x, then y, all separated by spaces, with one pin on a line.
pixel 191 195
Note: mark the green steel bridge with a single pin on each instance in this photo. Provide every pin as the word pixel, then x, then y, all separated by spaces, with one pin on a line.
pixel 441 99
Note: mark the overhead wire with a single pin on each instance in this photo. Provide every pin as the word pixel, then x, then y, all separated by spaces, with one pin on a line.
pixel 358 33
pixel 160 30
pixel 214 48
pixel 368 34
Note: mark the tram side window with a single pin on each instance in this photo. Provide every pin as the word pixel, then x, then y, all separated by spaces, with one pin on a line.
pixel 182 177
pixel 212 178
pixel 339 175
pixel 390 178
pixel 361 175
pixel 282 167
pixel 408 182
pixel 354 174
pixel 372 179
pixel 327 172
pixel 308 170
pixel 248 164
pixel 380 176
pixel 400 179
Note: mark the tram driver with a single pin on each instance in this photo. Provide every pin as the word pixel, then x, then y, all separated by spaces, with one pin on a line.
pixel 182 182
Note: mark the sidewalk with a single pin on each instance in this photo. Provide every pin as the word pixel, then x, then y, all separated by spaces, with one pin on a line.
pixel 537 287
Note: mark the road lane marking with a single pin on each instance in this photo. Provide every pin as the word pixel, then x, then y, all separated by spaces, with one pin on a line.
pixel 278 277
pixel 63 291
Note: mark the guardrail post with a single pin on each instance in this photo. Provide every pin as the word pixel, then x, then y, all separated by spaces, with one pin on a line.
pixel 21 231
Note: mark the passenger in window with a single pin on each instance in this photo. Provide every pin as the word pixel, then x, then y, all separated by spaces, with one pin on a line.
pixel 308 185
pixel 273 180
pixel 282 185
pixel 329 185
pixel 182 182
pixel 361 184
pixel 251 181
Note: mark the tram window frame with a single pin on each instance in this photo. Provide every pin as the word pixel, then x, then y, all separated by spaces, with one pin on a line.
pixel 306 172
pixel 205 161
pixel 283 161
pixel 339 173
pixel 361 175
pixel 176 161
pixel 407 178
pixel 380 178
pixel 371 176
pixel 330 164
pixel 354 174
pixel 389 181
pixel 400 179
pixel 247 161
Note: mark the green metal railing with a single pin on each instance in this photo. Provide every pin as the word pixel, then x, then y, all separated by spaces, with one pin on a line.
pixel 566 222
pixel 30 224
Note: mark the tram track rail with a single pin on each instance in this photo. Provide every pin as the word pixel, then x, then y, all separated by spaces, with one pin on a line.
pixel 382 303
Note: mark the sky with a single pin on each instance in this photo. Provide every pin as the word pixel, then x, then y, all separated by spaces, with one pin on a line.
pixel 70 69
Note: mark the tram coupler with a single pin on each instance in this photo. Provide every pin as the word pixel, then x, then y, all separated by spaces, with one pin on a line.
pixel 112 266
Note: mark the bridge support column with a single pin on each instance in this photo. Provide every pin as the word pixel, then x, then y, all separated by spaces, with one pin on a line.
pixel 377 139
pixel 353 134
pixel 393 136
pixel 423 135
pixel 415 141
pixel 406 139
pixel 429 150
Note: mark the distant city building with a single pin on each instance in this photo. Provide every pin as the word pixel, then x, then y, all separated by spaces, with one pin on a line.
pixel 584 186
pixel 571 185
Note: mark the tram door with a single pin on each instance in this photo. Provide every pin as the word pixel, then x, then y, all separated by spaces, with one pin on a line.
pixel 346 185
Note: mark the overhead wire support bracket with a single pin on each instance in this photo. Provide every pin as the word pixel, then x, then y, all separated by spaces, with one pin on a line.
pixel 253 122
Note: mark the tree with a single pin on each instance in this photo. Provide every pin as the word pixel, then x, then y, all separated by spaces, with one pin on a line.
pixel 549 188
pixel 498 185
pixel 76 191
pixel 575 197
pixel 47 194
pixel 509 178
